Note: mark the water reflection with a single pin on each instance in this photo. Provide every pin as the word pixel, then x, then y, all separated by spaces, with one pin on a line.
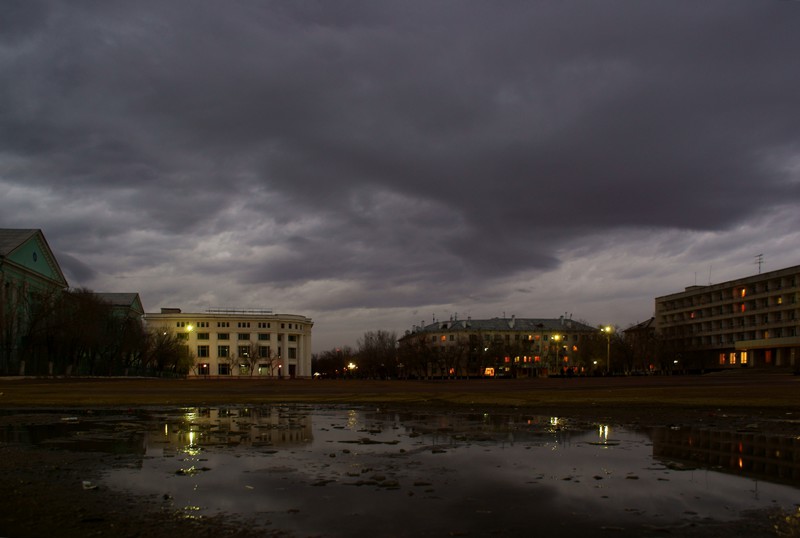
pixel 248 427
pixel 330 471
pixel 751 454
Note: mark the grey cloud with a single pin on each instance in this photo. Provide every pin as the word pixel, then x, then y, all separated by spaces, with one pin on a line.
pixel 383 144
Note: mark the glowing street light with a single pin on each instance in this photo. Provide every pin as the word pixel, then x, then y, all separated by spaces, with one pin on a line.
pixel 556 338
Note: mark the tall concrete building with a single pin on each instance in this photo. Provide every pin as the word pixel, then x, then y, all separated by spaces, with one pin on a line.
pixel 241 342
pixel 752 321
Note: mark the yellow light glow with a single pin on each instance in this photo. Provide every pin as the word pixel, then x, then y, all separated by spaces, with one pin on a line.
pixel 189 328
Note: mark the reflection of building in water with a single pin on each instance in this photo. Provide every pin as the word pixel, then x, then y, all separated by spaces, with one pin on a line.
pixel 484 426
pixel 755 455
pixel 263 426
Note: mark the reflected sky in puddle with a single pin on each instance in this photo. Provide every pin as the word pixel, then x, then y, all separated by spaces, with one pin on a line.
pixel 367 472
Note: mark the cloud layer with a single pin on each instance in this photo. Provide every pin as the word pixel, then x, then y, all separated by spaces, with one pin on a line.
pixel 373 164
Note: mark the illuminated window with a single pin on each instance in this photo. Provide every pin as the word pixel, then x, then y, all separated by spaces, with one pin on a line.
pixel 732 358
pixel 744 292
pixel 244 352
pixel 722 358
pixel 537 358
pixel 489 372
pixel 507 359
pixel 779 300
pixel 443 338
pixel 574 348
pixel 743 308
pixel 743 357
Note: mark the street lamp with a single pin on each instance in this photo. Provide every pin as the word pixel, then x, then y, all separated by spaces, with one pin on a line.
pixel 556 338
pixel 608 331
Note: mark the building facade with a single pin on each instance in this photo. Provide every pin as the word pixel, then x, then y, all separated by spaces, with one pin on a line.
pixel 30 276
pixel 752 321
pixel 500 347
pixel 239 342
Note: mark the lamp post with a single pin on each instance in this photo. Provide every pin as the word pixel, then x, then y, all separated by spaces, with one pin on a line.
pixel 608 330
pixel 556 338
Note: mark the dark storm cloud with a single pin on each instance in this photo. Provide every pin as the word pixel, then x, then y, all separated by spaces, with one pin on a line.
pixel 414 146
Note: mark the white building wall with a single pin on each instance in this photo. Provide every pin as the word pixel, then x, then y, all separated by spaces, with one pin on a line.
pixel 288 338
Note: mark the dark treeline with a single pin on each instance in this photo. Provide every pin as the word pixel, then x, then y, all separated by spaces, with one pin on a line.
pixel 75 332
pixel 375 358
pixel 378 356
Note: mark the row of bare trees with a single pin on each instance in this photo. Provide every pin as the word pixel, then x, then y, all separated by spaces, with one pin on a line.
pixel 379 356
pixel 375 358
pixel 75 332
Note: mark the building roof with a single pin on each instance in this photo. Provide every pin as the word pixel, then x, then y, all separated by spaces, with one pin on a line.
pixel 123 300
pixel 644 325
pixel 15 242
pixel 507 324
pixel 11 238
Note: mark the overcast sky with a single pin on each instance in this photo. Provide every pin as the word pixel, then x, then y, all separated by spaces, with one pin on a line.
pixel 372 164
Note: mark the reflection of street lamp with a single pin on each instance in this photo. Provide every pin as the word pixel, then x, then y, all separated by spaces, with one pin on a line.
pixel 608 331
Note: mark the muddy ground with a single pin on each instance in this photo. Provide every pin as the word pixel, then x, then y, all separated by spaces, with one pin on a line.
pixel 44 493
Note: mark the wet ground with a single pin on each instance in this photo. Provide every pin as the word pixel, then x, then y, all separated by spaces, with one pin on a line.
pixel 326 470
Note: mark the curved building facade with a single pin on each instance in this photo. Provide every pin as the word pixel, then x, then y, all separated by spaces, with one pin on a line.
pixel 240 342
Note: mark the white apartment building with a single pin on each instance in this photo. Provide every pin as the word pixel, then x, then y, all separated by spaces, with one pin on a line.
pixel 241 342
pixel 751 321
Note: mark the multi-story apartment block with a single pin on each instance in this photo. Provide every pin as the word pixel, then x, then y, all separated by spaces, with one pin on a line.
pixel 498 347
pixel 241 342
pixel 752 321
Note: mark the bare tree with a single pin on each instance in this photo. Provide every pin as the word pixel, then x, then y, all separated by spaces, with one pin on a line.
pixel 377 354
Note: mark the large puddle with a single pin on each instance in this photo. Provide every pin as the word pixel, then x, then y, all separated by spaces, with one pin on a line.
pixel 333 471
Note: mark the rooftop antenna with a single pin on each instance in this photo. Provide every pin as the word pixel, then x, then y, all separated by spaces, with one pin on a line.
pixel 759 262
